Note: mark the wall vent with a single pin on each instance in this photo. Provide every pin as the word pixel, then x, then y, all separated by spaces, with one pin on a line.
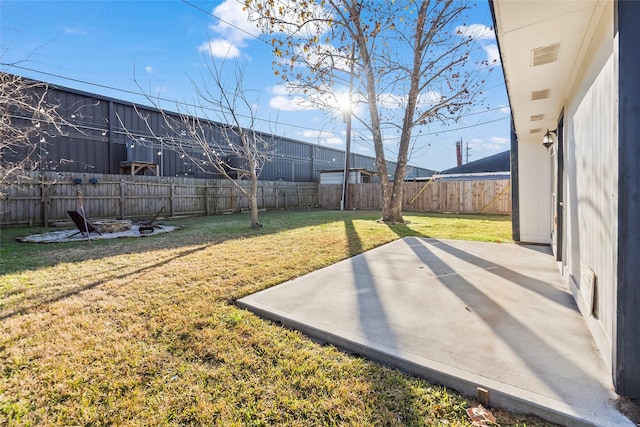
pixel 589 288
pixel 545 55
pixel 540 94
pixel 139 151
pixel 536 130
pixel 537 117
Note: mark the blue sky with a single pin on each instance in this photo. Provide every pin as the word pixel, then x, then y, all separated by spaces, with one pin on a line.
pixel 104 46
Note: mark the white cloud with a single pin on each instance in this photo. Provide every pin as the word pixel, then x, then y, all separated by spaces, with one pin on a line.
pixel 282 103
pixel 429 98
pixel 323 137
pixel 481 32
pixel 286 103
pixel 493 56
pixel 285 99
pixel 390 138
pixel 391 101
pixel 500 140
pixel 220 48
pixel 320 53
pixel 476 32
pixel 73 30
pixel 505 109
pixel 234 27
pixel 495 143
pixel 333 140
pixel 287 13
pixel 148 69
pixel 279 90
pixel 234 24
pixel 232 30
pixel 312 133
pixel 290 97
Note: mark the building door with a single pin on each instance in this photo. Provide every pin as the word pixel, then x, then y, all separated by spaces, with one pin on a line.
pixel 557 236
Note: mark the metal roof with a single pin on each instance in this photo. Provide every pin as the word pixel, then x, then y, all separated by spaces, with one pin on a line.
pixel 500 162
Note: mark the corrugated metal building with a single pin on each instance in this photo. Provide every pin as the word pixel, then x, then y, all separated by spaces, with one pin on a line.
pixel 109 132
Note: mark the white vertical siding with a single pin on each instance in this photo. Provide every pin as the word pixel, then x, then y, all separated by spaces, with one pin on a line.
pixel 591 165
pixel 355 177
pixel 535 196
pixel 331 177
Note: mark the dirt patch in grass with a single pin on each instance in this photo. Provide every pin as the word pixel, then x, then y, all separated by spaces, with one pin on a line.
pixel 142 332
pixel 65 236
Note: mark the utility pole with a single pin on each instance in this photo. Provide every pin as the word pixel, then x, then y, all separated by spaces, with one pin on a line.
pixel 347 153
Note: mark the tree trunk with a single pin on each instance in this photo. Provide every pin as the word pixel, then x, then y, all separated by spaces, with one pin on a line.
pixel 392 204
pixel 378 143
pixel 253 201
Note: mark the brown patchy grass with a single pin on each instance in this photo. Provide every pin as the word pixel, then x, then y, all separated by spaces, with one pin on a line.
pixel 144 331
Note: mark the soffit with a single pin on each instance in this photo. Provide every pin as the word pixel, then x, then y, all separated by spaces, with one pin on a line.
pixel 536 32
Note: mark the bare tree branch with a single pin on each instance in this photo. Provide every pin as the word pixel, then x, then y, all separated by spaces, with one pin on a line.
pixel 29 117
pixel 218 134
pixel 411 65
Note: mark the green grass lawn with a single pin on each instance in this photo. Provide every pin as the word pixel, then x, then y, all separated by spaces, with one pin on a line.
pixel 144 331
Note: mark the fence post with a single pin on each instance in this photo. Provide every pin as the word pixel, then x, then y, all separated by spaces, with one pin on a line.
pixel 122 199
pixel 206 198
pixel 172 191
pixel 233 198
pixel 45 199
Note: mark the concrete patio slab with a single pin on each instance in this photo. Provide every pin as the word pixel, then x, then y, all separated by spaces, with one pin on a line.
pixel 461 314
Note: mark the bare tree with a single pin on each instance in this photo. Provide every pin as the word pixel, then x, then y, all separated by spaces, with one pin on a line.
pixel 408 64
pixel 217 133
pixel 28 118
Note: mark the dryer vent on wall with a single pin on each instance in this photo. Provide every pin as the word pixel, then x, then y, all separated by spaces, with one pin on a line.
pixel 139 151
pixel 589 286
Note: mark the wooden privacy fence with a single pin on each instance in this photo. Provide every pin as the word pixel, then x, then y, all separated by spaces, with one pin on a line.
pixel 480 196
pixel 47 196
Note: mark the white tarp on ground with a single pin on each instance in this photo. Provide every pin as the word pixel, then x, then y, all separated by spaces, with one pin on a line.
pixel 66 235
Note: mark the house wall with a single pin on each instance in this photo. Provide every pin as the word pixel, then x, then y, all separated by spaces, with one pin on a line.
pixel 589 254
pixel 597 175
pixel 626 344
pixel 534 198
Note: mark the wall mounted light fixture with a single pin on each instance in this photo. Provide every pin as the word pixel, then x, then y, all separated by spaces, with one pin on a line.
pixel 547 140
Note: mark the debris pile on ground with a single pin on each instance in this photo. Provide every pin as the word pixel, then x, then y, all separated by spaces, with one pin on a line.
pixel 481 417
pixel 68 235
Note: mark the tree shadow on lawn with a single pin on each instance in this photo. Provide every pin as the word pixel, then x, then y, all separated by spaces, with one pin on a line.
pixel 403 230
pixel 203 231
pixel 208 230
pixel 408 406
pixel 30 304
pixel 192 239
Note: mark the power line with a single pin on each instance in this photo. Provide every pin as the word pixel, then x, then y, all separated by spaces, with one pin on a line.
pixel 257 119
pixel 242 30
pixel 267 121
pixel 186 104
